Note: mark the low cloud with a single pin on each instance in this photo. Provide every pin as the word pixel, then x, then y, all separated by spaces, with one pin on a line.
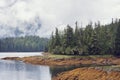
pixel 57 13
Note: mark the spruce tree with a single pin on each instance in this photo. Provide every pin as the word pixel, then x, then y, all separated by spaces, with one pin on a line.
pixel 94 47
pixel 117 41
pixel 57 38
pixel 51 43
pixel 76 36
pixel 102 39
pixel 69 36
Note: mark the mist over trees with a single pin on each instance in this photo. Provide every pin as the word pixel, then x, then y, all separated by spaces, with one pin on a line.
pixel 23 44
pixel 94 39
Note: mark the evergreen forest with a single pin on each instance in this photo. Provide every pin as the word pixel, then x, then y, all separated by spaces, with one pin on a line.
pixel 94 39
pixel 23 44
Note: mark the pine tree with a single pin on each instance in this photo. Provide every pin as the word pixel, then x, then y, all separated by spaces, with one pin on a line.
pixel 69 37
pixel 102 39
pixel 94 47
pixel 88 32
pixel 117 41
pixel 51 43
pixel 77 36
pixel 57 38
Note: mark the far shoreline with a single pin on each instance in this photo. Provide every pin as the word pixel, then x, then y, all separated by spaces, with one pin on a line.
pixel 19 54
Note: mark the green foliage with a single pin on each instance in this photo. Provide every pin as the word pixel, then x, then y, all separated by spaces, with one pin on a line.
pixel 57 38
pixel 92 40
pixel 69 37
pixel 68 51
pixel 94 47
pixel 57 50
pixel 23 44
pixel 117 41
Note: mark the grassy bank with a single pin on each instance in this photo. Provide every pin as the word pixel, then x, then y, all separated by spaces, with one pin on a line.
pixel 58 56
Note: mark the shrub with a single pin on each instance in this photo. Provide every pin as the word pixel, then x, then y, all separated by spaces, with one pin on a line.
pixel 58 50
pixel 68 51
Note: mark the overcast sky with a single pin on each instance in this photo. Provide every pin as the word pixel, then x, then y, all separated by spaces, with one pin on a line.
pixel 58 13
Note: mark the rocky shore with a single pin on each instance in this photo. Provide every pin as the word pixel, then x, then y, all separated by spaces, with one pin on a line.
pixel 79 73
pixel 88 74
pixel 50 61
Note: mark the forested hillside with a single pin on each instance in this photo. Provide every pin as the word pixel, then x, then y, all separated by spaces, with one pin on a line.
pixel 23 44
pixel 94 39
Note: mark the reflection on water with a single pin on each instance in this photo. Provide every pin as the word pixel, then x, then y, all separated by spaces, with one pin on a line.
pixel 19 54
pixel 14 70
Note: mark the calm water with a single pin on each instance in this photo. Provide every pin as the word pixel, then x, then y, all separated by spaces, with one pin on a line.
pixel 19 54
pixel 17 70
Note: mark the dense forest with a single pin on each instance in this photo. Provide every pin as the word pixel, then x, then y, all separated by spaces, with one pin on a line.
pixel 23 44
pixel 94 39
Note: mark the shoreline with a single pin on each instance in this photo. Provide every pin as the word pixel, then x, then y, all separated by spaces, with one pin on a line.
pixel 62 60
pixel 88 74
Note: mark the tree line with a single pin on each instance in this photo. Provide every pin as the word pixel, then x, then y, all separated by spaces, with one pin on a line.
pixel 94 39
pixel 23 44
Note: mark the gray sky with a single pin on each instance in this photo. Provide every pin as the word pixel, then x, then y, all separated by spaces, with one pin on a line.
pixel 58 13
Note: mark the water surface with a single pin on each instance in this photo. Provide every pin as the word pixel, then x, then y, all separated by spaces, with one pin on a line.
pixel 16 70
pixel 19 54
